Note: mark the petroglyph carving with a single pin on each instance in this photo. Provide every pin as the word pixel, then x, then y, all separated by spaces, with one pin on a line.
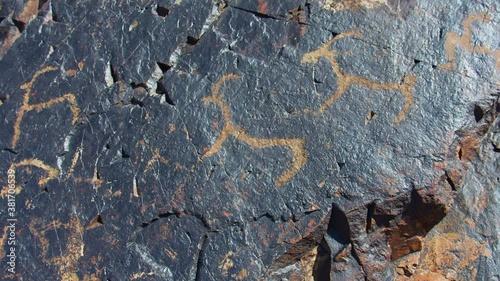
pixel 464 41
pixel 295 145
pixel 27 107
pixel 52 173
pixel 345 80
pixel 340 5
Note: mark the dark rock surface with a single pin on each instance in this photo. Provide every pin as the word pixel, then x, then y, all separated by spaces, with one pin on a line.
pixel 251 140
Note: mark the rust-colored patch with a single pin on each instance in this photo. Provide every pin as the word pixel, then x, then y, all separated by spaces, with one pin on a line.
pixel 226 213
pixel 71 72
pixel 303 30
pixel 297 15
pixel 95 223
pixel 467 149
pixel 428 276
pixel 227 263
pixel 171 128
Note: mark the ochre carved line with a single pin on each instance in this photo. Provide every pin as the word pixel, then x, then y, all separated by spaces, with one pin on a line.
pixel 3 240
pixel 26 106
pixel 51 172
pixel 345 80
pixel 296 146
pixel 67 263
pixel 74 161
pixel 340 5
pixel 453 40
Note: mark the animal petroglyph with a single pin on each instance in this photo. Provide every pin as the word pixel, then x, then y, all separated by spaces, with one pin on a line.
pixel 345 80
pixel 295 145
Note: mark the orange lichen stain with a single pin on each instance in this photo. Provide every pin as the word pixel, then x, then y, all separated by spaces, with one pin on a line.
pixel 345 80
pixel 27 107
pixel 464 41
pixel 81 64
pixel 67 262
pixel 296 146
pixel 262 8
pixel 449 251
pixel 156 158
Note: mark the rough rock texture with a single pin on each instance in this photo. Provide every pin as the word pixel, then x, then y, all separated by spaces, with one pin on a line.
pixel 251 140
